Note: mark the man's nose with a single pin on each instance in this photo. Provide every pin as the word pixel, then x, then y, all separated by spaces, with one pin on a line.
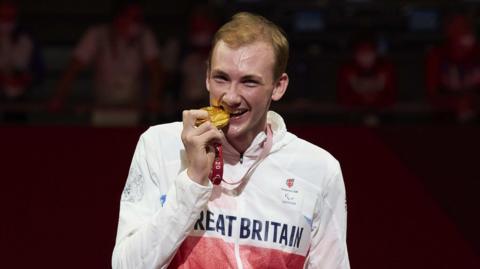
pixel 231 96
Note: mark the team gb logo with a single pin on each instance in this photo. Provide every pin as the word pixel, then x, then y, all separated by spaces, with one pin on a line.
pixel 290 182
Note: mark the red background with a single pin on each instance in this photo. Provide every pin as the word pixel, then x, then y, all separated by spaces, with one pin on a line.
pixel 412 194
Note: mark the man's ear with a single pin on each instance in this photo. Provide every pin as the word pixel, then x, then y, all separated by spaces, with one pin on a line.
pixel 280 87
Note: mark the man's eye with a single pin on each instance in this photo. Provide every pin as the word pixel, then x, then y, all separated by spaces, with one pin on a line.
pixel 220 78
pixel 250 83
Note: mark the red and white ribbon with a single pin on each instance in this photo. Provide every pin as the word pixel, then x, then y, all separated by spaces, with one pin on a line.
pixel 216 174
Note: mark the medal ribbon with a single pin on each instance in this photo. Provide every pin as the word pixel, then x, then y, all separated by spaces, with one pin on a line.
pixel 216 174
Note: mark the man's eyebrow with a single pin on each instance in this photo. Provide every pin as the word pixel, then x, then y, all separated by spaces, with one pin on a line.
pixel 217 72
pixel 253 77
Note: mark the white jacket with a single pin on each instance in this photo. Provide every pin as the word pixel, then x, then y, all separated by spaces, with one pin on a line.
pixel 290 214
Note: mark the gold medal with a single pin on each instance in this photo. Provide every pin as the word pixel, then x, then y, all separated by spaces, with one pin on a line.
pixel 216 115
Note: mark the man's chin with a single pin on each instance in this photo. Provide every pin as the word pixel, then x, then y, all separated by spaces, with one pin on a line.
pixel 233 132
pixel 237 131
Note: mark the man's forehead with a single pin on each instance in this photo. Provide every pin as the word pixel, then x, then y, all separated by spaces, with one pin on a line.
pixel 252 55
pixel 257 47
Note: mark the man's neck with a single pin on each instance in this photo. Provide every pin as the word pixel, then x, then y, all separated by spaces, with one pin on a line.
pixel 243 142
pixel 240 145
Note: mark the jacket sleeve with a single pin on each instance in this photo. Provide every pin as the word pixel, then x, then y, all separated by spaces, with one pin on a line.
pixel 328 246
pixel 152 226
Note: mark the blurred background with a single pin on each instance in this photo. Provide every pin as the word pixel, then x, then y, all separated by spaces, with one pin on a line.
pixel 390 88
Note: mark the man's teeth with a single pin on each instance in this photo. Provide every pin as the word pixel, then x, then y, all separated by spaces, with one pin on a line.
pixel 237 113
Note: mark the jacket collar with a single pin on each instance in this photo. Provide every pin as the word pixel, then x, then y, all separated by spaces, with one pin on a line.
pixel 232 156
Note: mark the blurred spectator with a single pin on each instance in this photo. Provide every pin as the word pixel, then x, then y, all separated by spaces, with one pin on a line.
pixel 453 70
pixel 21 64
pixel 170 59
pixel 366 82
pixel 201 28
pixel 119 51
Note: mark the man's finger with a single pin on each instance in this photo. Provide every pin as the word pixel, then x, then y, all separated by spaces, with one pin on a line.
pixel 211 136
pixel 190 117
pixel 202 128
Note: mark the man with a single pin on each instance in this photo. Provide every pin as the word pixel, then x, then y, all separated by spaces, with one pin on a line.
pixel 453 71
pixel 21 64
pixel 119 51
pixel 366 82
pixel 281 203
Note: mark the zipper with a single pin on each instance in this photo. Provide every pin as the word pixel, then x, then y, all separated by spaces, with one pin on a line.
pixel 236 239
pixel 237 254
pixel 241 158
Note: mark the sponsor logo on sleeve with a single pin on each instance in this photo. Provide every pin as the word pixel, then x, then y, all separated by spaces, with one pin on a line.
pixel 163 199
pixel 134 188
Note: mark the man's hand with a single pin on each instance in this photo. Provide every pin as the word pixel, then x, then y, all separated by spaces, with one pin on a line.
pixel 198 142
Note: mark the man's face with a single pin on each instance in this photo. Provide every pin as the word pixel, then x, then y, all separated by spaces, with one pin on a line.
pixel 241 81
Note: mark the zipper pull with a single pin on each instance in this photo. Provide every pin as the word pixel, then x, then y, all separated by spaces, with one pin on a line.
pixel 241 158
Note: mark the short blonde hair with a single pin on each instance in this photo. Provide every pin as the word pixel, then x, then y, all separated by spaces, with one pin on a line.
pixel 245 28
